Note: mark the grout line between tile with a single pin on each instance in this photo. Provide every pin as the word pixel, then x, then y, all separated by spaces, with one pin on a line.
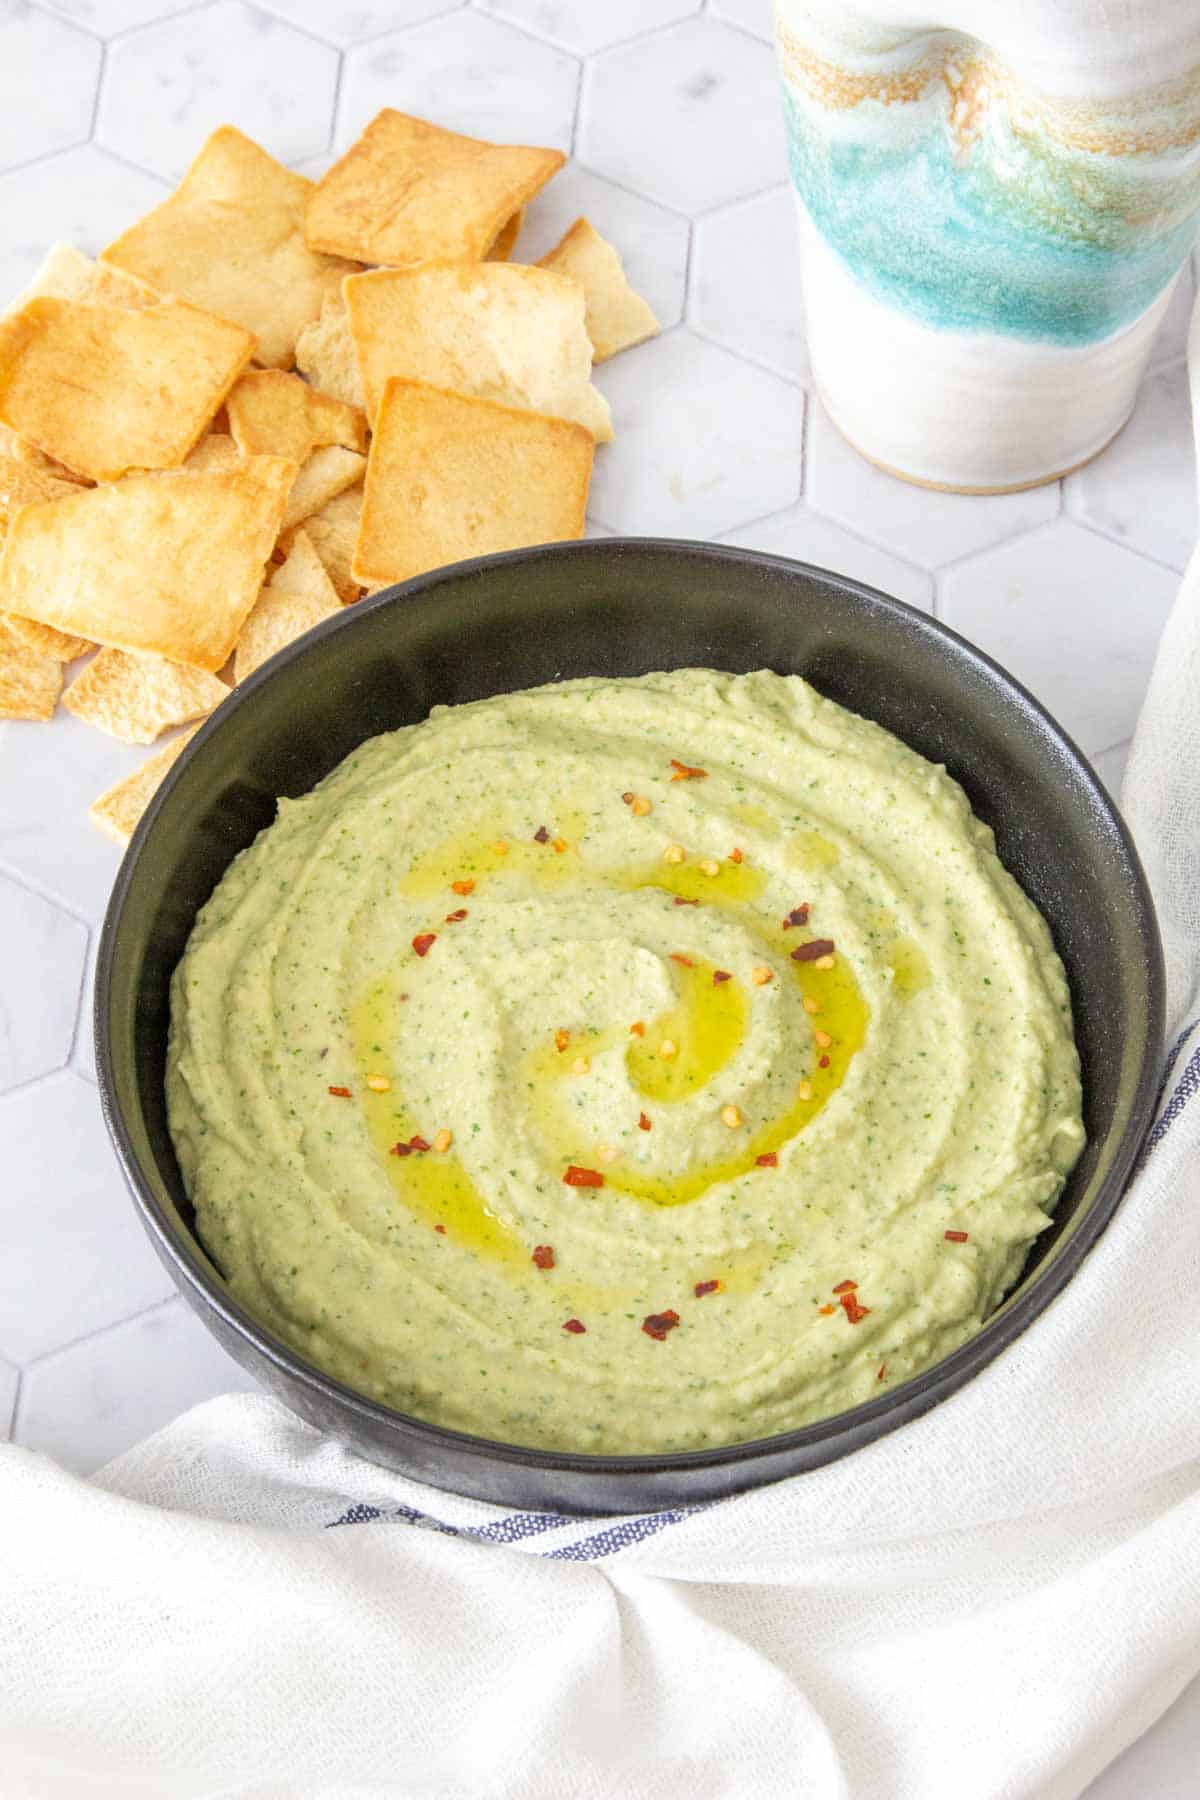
pixel 745 31
pixel 373 37
pixel 88 951
pixel 18 1405
pixel 101 1331
pixel 339 79
pixel 69 24
pixel 587 168
pixel 703 214
pixel 126 162
pixel 751 361
pixel 101 74
pixel 20 879
pixel 45 156
pixel 1121 543
pixel 184 12
pixel 937 570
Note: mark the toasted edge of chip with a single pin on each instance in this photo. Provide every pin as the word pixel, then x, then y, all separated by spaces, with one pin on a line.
pixel 136 696
pixel 275 414
pixel 47 640
pixel 298 596
pixel 452 476
pixel 505 241
pixel 67 274
pixel 333 533
pixel 615 315
pixel 30 682
pixel 325 354
pixel 117 810
pixel 19 449
pixel 215 454
pixel 326 474
pixel 407 192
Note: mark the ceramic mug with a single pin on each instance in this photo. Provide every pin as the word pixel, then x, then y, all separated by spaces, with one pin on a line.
pixel 994 211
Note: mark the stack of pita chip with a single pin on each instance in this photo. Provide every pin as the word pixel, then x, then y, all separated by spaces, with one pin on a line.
pixel 270 395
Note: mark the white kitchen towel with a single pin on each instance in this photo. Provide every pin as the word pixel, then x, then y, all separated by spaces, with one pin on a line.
pixel 989 1604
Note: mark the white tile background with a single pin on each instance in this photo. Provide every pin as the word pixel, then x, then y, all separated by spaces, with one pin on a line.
pixel 670 110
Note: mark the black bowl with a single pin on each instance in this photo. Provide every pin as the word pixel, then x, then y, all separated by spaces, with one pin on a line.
pixel 625 607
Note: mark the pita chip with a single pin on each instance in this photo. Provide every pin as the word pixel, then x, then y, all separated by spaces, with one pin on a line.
pixel 499 331
pixel 452 477
pixel 166 563
pixel 273 414
pixel 231 239
pixel 326 474
pixel 119 807
pixel 25 484
pixel 106 389
pixel 298 596
pixel 615 316
pixel 137 697
pixel 408 192
pixel 30 682
pixel 333 533
pixel 67 274
pixel 325 354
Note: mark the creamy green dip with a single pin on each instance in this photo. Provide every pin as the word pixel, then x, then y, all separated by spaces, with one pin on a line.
pixel 553 934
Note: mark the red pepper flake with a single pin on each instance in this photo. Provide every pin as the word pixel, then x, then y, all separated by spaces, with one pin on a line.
pixel 720 975
pixel 955 1237
pixel 845 1287
pixel 706 1287
pixel 456 918
pixel 736 856
pixel 574 1325
pixel 853 1311
pixel 826 1310
pixel 682 900
pixel 643 1122
pixel 882 1371
pixel 797 916
pixel 679 957
pixel 424 942
pixel 684 773
pixel 415 1143
pixel 768 1160
pixel 560 845
pixel 341 1092
pixel 822 1062
pixel 561 1039
pixel 577 1177
pixel 637 1029
pixel 441 1229
pixel 815 947
pixel 657 1325
pixel 627 796
pixel 543 1256
pixel 466 886
pixel 541 835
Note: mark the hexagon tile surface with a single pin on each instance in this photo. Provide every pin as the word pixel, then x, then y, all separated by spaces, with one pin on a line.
pixel 37 1017
pixel 671 110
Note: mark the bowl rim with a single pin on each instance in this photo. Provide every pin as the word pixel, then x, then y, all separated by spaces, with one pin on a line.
pixel 184 1254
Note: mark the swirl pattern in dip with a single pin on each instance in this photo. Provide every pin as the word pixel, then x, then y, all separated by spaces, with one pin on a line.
pixel 503 1095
